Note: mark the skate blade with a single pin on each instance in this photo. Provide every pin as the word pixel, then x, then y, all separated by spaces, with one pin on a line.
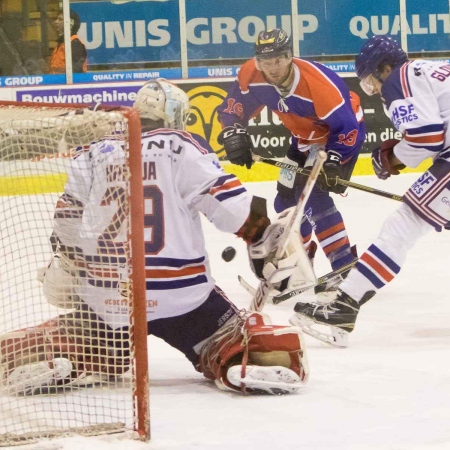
pixel 336 338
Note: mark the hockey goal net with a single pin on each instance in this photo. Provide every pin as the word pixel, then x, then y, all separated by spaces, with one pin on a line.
pixel 73 337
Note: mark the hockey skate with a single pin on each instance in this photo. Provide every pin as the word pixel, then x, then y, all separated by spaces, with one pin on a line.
pixel 28 378
pixel 339 316
pixel 326 292
pixel 276 380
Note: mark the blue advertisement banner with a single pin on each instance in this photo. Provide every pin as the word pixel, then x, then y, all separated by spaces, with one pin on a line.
pixel 31 80
pixel 141 32
pixel 341 67
pixel 130 32
pixel 136 33
pixel 129 75
pixel 229 30
pixel 429 26
pixel 126 76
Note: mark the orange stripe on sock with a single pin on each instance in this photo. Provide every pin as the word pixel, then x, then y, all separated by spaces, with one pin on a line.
pixel 377 267
pixel 330 231
pixel 335 245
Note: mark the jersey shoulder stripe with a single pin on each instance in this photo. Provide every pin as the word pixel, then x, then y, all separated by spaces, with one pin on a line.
pixel 226 187
pixel 404 80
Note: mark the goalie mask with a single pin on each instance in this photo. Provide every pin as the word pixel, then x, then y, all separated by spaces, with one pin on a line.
pixel 161 100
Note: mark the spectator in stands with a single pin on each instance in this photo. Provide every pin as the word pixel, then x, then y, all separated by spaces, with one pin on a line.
pixel 79 54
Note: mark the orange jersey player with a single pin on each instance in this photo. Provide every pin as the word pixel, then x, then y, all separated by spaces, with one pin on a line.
pixel 317 107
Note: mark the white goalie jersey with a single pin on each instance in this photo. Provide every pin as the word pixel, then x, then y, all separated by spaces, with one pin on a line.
pixel 181 177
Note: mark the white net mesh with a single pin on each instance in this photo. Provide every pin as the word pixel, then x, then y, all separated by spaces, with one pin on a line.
pixel 65 341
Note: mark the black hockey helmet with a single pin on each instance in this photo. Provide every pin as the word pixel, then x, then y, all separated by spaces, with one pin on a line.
pixel 273 43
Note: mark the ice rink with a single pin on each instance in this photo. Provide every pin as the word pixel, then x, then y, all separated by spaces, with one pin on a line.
pixel 390 389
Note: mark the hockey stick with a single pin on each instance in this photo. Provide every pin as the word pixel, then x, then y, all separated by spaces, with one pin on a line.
pixel 277 299
pixel 263 291
pixel 299 170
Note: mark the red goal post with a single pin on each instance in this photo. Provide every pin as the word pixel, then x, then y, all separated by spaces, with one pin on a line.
pixel 107 394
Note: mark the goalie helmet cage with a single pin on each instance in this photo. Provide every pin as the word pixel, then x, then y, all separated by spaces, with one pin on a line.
pixel 37 145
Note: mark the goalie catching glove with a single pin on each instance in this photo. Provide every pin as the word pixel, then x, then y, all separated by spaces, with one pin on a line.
pixel 384 161
pixel 293 269
pixel 237 144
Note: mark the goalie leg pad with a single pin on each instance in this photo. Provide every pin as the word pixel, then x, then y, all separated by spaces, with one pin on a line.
pixel 36 357
pixel 38 354
pixel 28 378
pixel 252 356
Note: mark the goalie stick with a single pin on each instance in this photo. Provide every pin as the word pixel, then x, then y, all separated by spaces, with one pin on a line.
pixel 247 286
pixel 323 279
pixel 277 299
pixel 262 293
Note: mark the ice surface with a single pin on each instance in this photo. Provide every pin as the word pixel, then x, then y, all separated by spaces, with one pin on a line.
pixel 390 389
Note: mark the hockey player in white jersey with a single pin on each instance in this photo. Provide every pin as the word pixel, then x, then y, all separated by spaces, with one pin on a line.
pixel 239 350
pixel 416 97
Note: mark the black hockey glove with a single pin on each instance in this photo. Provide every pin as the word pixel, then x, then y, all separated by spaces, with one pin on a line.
pixel 237 144
pixel 331 172
pixel 381 160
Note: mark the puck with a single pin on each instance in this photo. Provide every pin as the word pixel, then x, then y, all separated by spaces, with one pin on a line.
pixel 228 254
